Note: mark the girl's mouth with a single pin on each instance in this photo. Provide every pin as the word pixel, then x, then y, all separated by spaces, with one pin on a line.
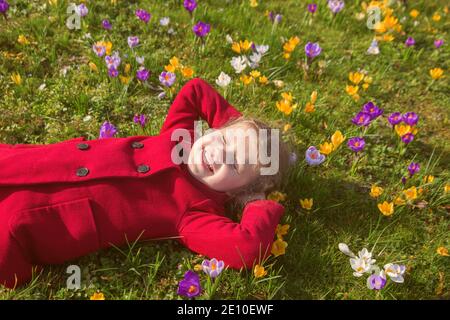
pixel 205 162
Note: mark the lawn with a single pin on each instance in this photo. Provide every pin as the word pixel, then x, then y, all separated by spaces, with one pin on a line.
pixel 55 87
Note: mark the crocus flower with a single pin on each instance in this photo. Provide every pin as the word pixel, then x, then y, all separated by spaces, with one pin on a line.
pixel 190 285
pixel 362 263
pixel 314 157
pixel 112 72
pixel 407 138
pixel 373 48
pixel 372 110
pixel 239 63
pixel 395 272
pixel 312 50
pixel 190 5
pixel 410 42
pixel 4 6
pixel 438 43
pixel 201 29
pixel 167 78
pixel 376 281
pixel 113 61
pixel 99 50
pixel 140 119
pixel 278 247
pixel 212 267
pixel 82 10
pixel 356 144
pixel 133 41
pixel 107 130
pixel 312 7
pixel 395 118
pixel 362 119
pixel 343 247
pixel 106 24
pixel 143 15
pixel 261 49
pixel 413 168
pixel 223 80
pixel 410 118
pixel 142 74
pixel 164 21
pixel 336 5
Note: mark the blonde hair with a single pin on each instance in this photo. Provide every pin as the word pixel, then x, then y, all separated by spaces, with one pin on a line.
pixel 264 183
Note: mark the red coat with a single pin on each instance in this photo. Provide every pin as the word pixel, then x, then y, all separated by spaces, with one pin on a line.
pixel 64 200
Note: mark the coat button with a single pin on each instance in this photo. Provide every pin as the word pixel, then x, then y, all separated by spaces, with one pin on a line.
pixel 143 168
pixel 81 172
pixel 137 145
pixel 83 146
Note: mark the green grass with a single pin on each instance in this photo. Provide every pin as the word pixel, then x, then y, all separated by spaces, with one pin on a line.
pixel 313 267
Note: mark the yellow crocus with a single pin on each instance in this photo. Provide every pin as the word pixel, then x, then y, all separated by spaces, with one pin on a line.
pixel 236 47
pixel 198 267
pixel 124 79
pixel 255 74
pixel 282 230
pixel 442 251
pixel 356 77
pixel 390 22
pixel 286 55
pixel 276 196
pixel 399 201
pixel 436 17
pixel 263 80
pixel 97 296
pixel 174 61
pixel 187 72
pixel 375 191
pixel 326 148
pixel 309 107
pixel 127 68
pixel 313 97
pixel 428 179
pixel 286 127
pixel 306 203
pixel 386 208
pixel 245 45
pixel 351 90
pixel 253 3
pixel 285 106
pixel 388 37
pixel 169 68
pixel 279 247
pixel 23 40
pixel 287 96
pixel 336 139
pixel 380 27
pixel 246 79
pixel 402 129
pixel 93 66
pixel 365 86
pixel 259 271
pixel 410 193
pixel 16 78
pixel 414 13
pixel 436 73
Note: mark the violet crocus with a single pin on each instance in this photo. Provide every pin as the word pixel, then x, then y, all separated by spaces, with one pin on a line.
pixel 275 18
pixel 314 157
pixel 312 7
pixel 312 50
pixel 140 119
pixel 143 15
pixel 438 43
pixel 113 61
pixel 107 130
pixel 395 118
pixel 201 29
pixel 190 5
pixel 356 144
pixel 82 10
pixel 407 138
pixel 362 119
pixel 142 74
pixel 4 6
pixel 376 282
pixel 410 42
pixel 133 41
pixel 413 168
pixel 99 50
pixel 336 5
pixel 167 78
pixel 212 267
pixel 190 285
pixel 112 72
pixel 410 118
pixel 372 110
pixel 106 24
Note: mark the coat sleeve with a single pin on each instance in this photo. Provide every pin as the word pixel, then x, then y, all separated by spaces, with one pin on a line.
pixel 197 99
pixel 237 244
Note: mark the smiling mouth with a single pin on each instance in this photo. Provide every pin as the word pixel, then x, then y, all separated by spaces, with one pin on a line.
pixel 205 162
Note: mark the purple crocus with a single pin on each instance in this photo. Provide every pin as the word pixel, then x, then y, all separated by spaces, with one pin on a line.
pixel 312 7
pixel 190 5
pixel 438 43
pixel 113 61
pixel 395 118
pixel 107 130
pixel 142 74
pixel 314 157
pixel 410 42
pixel 106 24
pixel 372 110
pixel 407 138
pixel 112 72
pixel 404 180
pixel 4 6
pixel 190 285
pixel 413 168
pixel 82 10
pixel 99 50
pixel 143 15
pixel 140 119
pixel 201 29
pixel 376 282
pixel 356 144
pixel 362 119
pixel 410 118
pixel 167 78
pixel 133 41
pixel 213 267
pixel 312 50
pixel 336 5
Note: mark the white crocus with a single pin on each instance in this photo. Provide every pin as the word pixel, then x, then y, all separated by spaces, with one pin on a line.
pixel 360 266
pixel 239 63
pixel 229 39
pixel 223 80
pixel 140 60
pixel 262 49
pixel 255 58
pixel 365 255
pixel 164 21
pixel 345 250
pixel 373 49
pixel 395 272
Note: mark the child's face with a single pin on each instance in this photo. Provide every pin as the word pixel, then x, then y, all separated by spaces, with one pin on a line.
pixel 221 163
